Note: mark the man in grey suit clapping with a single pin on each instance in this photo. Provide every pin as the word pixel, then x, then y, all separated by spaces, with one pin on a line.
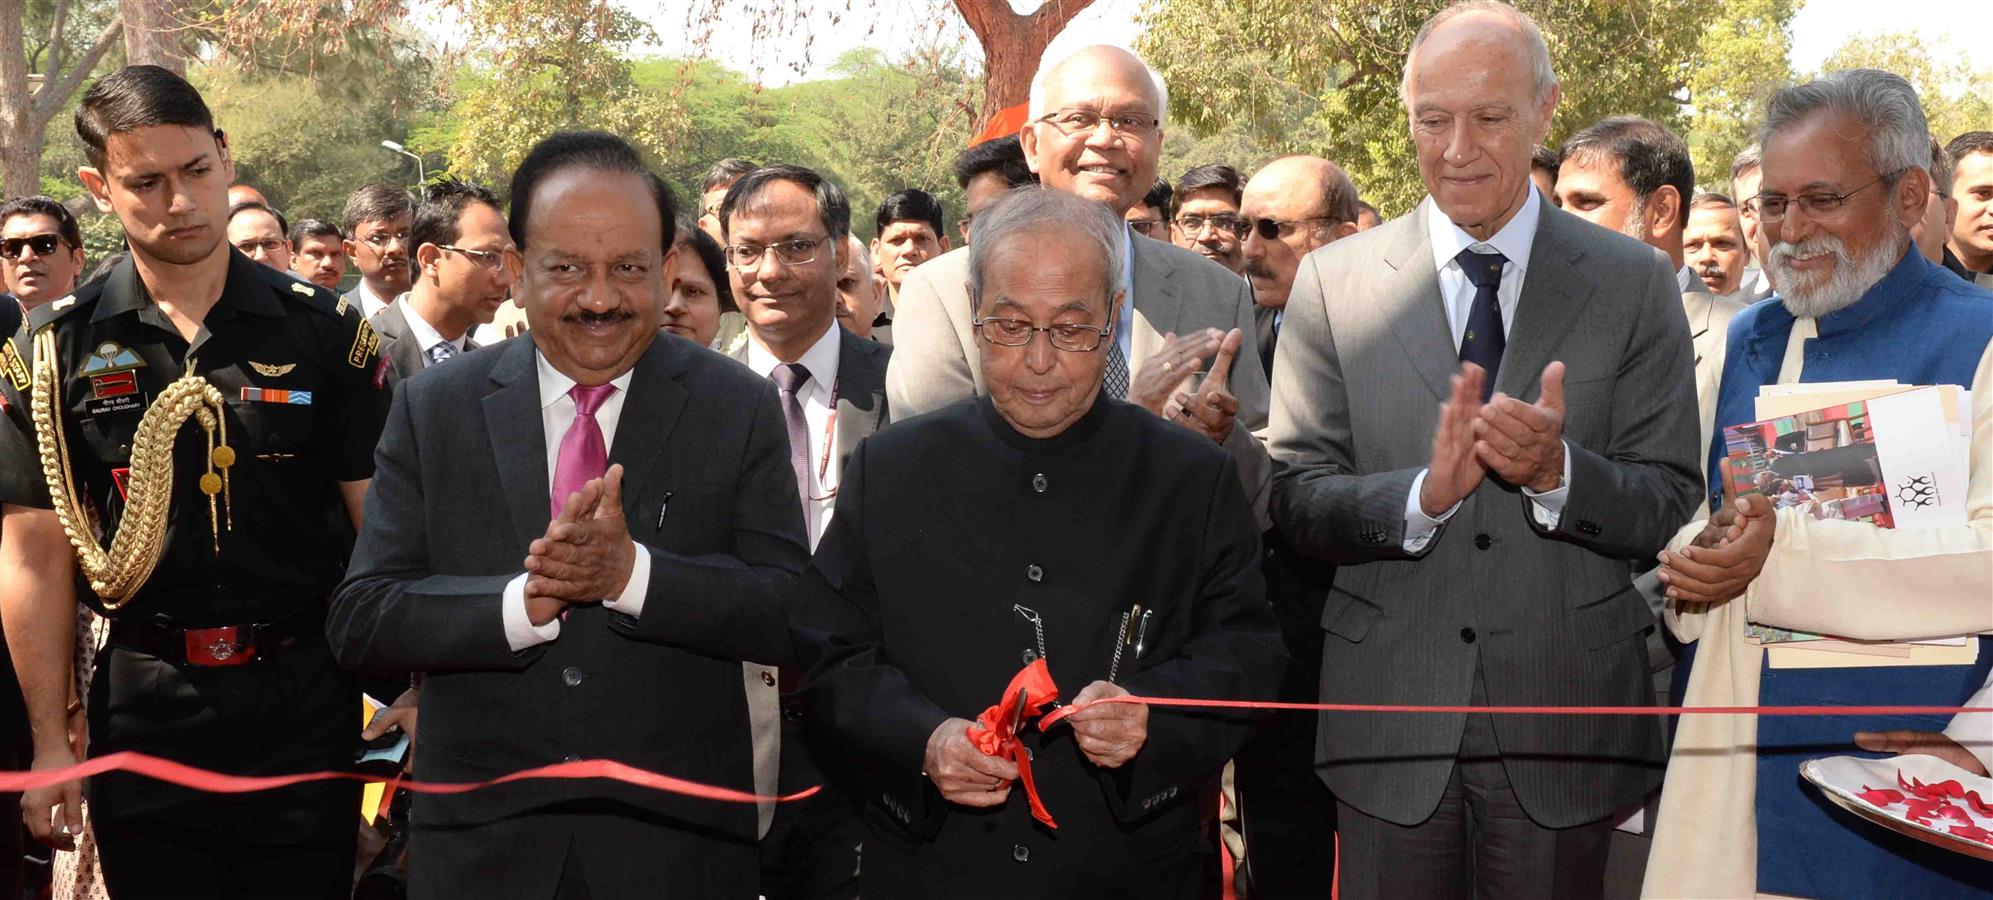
pixel 1484 410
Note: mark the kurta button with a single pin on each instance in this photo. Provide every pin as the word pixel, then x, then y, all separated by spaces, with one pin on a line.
pixel 1034 573
pixel 1483 542
pixel 767 678
pixel 1020 853
pixel 1030 656
pixel 1038 482
pixel 570 758
pixel 1467 635
pixel 571 675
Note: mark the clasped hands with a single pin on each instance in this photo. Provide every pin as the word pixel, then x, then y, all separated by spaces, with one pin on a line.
pixel 1163 384
pixel 1522 443
pixel 586 554
pixel 1109 734
pixel 1729 552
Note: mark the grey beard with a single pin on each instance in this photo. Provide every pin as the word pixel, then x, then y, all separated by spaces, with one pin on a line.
pixel 1850 280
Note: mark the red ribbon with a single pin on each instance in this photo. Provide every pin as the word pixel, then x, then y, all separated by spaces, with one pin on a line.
pixel 1190 702
pixel 994 731
pixel 220 783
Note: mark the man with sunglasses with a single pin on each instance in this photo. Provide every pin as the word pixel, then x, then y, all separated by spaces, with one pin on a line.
pixel 1096 130
pixel 378 219
pixel 786 229
pixel 461 273
pixel 1207 214
pixel 41 255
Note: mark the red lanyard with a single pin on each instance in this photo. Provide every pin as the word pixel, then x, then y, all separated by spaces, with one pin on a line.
pixel 829 431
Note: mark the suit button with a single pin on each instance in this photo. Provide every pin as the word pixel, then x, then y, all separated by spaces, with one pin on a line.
pixel 1020 853
pixel 1589 528
pixel 1467 635
pixel 767 678
pixel 1034 573
pixel 1483 542
pixel 1038 482
pixel 570 758
pixel 571 675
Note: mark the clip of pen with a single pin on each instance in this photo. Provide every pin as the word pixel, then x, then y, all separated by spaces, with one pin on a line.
pixel 663 506
pixel 1142 632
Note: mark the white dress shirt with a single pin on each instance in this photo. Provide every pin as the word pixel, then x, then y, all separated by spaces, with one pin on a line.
pixel 371 304
pixel 1514 241
pixel 819 401
pixel 556 414
pixel 424 334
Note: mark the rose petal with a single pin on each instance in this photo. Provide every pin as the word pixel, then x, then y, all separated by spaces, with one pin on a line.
pixel 1972 833
pixel 1879 797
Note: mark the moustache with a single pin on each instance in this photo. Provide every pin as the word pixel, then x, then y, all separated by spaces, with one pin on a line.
pixel 1784 254
pixel 589 318
pixel 1259 269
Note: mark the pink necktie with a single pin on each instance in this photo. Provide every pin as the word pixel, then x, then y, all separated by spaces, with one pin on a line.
pixel 583 456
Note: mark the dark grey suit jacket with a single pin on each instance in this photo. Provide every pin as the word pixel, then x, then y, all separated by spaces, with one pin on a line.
pixel 460 490
pixel 398 343
pixel 1547 616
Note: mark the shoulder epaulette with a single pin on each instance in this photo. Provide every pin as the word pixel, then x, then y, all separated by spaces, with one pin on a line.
pixel 292 289
pixel 49 313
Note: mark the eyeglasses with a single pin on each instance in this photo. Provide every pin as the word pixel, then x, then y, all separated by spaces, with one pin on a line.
pixel 1772 207
pixel 267 245
pixel 1073 338
pixel 1146 227
pixel 1272 229
pixel 1223 223
pixel 799 252
pixel 381 240
pixel 42 244
pixel 1074 122
pixel 494 260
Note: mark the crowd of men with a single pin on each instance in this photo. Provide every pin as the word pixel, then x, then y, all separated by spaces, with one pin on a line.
pixel 896 536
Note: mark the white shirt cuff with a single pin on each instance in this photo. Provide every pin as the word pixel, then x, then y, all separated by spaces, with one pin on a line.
pixel 1974 731
pixel 631 601
pixel 1419 527
pixel 1548 507
pixel 520 632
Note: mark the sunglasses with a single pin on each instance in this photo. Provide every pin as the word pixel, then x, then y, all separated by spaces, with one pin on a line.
pixel 42 244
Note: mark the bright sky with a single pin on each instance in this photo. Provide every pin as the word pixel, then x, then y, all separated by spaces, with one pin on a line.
pixel 835 26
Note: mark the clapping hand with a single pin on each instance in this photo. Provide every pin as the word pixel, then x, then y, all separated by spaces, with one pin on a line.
pixel 1455 471
pixel 586 554
pixel 1524 442
pixel 1171 368
pixel 1212 409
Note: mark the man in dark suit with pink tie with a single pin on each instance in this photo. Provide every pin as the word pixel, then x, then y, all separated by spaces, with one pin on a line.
pixel 578 535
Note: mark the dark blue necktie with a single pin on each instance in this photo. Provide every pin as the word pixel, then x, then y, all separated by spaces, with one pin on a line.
pixel 1482 342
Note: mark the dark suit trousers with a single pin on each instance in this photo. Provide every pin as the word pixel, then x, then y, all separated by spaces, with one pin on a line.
pixel 1479 843
pixel 812 848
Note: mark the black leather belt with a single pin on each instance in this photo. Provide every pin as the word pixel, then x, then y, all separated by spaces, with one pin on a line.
pixel 226 645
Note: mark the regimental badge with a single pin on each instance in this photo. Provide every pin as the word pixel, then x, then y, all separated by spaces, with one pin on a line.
pixel 340 310
pixel 301 287
pixel 365 344
pixel 113 384
pixel 269 371
pixel 62 304
pixel 110 357
pixel 10 363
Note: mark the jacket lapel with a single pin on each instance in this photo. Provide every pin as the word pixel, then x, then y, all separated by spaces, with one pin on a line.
pixel 861 394
pixel 1420 319
pixel 1552 294
pixel 650 412
pixel 1155 301
pixel 518 442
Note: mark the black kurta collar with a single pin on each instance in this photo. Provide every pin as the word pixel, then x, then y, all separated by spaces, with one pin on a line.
pixel 1086 427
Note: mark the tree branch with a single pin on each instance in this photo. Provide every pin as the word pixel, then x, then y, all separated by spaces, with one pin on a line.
pixel 56 92
pixel 988 18
pixel 1055 15
pixel 55 41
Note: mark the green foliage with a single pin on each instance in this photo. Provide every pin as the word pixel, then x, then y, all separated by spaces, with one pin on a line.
pixel 1322 76
pixel 1741 61
pixel 1956 99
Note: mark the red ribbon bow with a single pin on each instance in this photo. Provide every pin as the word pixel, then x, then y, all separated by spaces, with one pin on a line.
pixel 995 732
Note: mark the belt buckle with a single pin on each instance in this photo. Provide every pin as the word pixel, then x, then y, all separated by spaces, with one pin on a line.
pixel 214 647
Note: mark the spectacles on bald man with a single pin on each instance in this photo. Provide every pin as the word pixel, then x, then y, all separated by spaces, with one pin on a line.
pixel 1073 122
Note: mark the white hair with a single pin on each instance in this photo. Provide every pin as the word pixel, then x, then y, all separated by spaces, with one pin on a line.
pixel 1533 44
pixel 1030 208
pixel 1036 108
pixel 1884 104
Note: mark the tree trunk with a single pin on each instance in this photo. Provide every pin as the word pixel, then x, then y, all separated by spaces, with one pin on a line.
pixel 1012 46
pixel 152 34
pixel 20 143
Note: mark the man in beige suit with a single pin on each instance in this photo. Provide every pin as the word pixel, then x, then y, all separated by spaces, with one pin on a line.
pixel 1634 177
pixel 1096 130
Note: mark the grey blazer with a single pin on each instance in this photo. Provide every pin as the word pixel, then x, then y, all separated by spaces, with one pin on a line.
pixel 1547 616
pixel 861 410
pixel 936 362
pixel 398 344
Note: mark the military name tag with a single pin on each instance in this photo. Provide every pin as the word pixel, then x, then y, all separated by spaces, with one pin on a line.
pixel 121 403
pixel 365 344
